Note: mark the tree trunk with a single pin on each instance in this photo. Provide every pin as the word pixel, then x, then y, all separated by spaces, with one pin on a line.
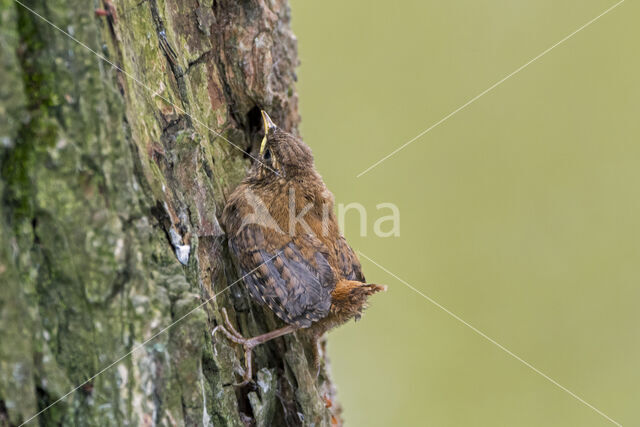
pixel 112 180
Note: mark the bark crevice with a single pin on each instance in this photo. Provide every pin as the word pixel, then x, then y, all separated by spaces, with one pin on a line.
pixel 104 185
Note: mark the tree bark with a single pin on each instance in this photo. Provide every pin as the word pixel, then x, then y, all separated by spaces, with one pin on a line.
pixel 112 180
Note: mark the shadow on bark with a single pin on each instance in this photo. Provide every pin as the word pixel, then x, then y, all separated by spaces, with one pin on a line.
pixel 111 190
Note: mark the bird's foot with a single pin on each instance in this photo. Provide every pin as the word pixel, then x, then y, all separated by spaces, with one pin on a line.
pixel 228 330
pixel 233 335
pixel 248 344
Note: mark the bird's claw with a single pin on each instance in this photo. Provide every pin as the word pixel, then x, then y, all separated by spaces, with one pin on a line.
pixel 233 335
pixel 248 344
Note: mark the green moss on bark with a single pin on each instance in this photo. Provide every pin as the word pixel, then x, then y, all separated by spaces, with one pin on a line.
pixel 102 179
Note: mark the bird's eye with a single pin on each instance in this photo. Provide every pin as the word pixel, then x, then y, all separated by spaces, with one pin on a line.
pixel 267 154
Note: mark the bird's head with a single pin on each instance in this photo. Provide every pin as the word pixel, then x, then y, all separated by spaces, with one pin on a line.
pixel 282 155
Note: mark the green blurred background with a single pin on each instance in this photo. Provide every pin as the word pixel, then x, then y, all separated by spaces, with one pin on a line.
pixel 521 213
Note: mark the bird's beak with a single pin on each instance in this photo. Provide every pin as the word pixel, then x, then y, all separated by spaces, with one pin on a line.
pixel 268 126
pixel 268 123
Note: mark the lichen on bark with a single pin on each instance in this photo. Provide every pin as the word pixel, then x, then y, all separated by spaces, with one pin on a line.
pixel 112 179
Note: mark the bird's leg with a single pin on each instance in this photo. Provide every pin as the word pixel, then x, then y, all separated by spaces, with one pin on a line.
pixel 248 344
pixel 318 352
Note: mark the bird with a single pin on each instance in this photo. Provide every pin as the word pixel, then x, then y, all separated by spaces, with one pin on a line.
pixel 283 233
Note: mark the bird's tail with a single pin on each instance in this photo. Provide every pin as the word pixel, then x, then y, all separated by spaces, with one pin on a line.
pixel 350 296
pixel 368 289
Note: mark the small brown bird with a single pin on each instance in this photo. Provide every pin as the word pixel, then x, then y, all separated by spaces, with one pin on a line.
pixel 283 231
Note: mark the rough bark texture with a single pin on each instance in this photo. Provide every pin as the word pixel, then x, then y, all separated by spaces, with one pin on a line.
pixel 107 183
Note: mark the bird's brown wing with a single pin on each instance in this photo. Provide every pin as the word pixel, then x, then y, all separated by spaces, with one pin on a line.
pixel 348 262
pixel 289 274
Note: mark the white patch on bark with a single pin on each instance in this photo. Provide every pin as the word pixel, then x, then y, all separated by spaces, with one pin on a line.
pixel 206 419
pixel 182 251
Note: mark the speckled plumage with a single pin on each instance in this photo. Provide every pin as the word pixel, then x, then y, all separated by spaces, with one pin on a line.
pixel 302 270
